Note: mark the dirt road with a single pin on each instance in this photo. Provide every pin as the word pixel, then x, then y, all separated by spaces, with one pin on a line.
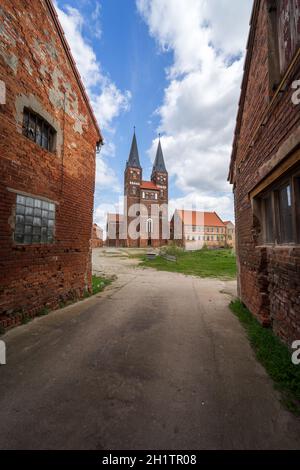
pixel 157 361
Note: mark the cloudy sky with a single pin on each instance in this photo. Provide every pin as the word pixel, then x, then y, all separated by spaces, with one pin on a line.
pixel 168 66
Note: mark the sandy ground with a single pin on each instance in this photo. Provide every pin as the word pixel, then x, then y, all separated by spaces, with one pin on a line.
pixel 156 361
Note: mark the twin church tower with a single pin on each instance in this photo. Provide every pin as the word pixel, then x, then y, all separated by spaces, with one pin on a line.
pixel 146 202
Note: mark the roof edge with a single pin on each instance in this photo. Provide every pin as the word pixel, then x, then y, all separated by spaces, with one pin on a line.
pixel 54 15
pixel 181 211
pixel 249 49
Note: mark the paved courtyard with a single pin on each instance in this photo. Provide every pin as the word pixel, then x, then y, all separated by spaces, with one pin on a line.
pixel 156 361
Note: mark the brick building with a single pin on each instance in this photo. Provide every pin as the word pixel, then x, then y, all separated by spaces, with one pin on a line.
pixel 145 221
pixel 48 139
pixel 97 236
pixel 265 169
pixel 115 235
pixel 194 229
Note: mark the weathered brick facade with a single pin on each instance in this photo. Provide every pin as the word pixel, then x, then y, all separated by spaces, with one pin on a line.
pixel 145 220
pixel 115 235
pixel 265 153
pixel 40 75
pixel 97 237
pixel 146 199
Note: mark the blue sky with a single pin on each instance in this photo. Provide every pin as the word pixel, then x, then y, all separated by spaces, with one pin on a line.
pixel 169 66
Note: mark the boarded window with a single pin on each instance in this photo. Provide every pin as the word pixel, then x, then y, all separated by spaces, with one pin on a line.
pixel 288 26
pixel 38 130
pixel 34 221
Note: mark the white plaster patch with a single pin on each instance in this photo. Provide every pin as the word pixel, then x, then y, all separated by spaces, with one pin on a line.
pixel 69 102
pixel 28 66
pixel 2 92
pixel 11 60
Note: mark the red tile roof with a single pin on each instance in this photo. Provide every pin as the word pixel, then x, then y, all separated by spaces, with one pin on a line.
pixel 149 185
pixel 208 219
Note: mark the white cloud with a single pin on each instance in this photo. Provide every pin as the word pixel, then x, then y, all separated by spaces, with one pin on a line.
pixel 95 27
pixel 110 103
pixel 198 112
pixel 106 98
pixel 72 22
pixel 203 202
pixel 105 176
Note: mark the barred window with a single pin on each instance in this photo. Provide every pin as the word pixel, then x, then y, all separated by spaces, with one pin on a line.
pixel 35 220
pixel 38 130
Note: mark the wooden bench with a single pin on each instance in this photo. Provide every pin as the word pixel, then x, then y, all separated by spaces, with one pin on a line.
pixel 151 256
pixel 169 258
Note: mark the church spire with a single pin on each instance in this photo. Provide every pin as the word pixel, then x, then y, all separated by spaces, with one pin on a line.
pixel 159 162
pixel 134 160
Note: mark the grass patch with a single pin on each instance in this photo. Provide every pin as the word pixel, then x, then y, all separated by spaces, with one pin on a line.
pixel 99 283
pixel 25 319
pixel 203 263
pixel 44 311
pixel 273 355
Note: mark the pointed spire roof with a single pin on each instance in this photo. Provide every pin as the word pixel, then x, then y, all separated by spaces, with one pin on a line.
pixel 134 160
pixel 159 162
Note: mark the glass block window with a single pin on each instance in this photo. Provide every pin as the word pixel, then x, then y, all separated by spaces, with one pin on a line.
pixel 38 130
pixel 35 220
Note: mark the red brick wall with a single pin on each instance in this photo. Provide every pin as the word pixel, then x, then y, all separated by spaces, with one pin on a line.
pixel 269 279
pixel 36 71
pixel 132 200
pixel 97 237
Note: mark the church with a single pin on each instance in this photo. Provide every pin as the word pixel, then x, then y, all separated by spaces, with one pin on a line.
pixel 145 220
